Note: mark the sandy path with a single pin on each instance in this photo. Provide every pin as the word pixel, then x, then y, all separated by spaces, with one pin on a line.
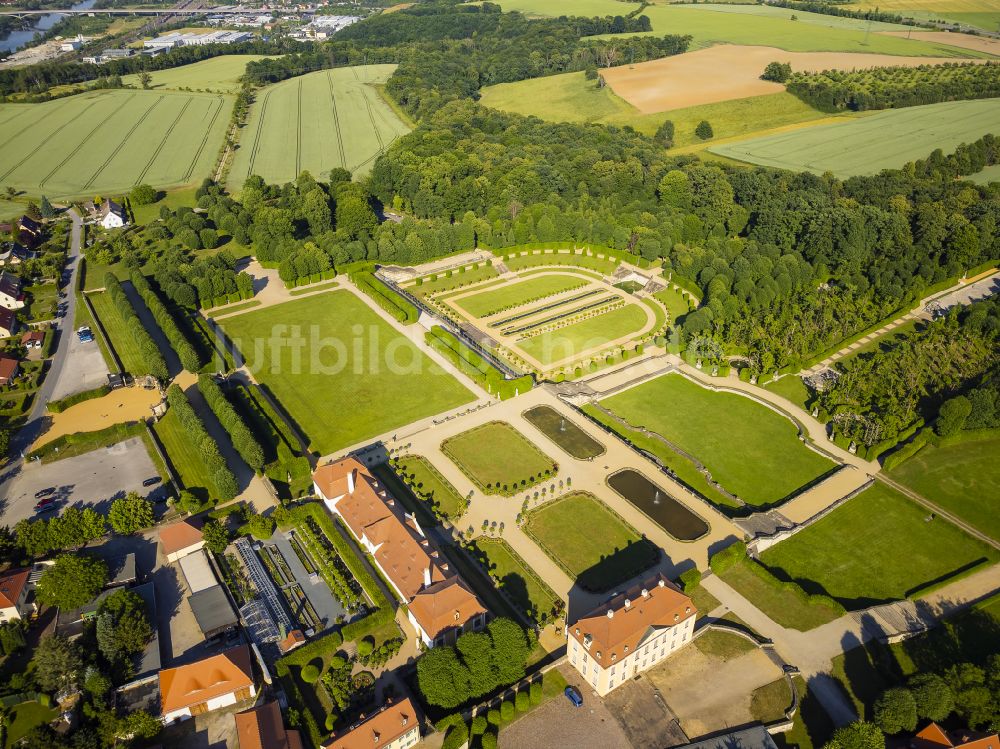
pixel 965 41
pixel 730 71
pixel 117 407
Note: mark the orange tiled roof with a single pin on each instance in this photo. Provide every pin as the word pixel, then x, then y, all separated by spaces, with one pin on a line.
pixel 294 639
pixel 11 585
pixel 177 536
pixel 380 729
pixel 444 606
pixel 664 605
pixel 206 679
pixel 261 727
pixel 933 736
pixel 8 366
pixel 33 335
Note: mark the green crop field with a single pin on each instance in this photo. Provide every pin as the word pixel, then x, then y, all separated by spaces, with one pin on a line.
pixel 11 209
pixel 518 293
pixel 218 75
pixel 754 24
pixel 961 477
pixel 853 554
pixel 316 122
pixel 867 145
pixel 108 141
pixel 510 463
pixel 341 387
pixel 586 335
pixel 749 449
pixel 982 13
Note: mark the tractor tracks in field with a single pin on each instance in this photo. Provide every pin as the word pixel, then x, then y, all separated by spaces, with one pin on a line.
pixel 114 151
pixel 45 141
pixel 260 128
pixel 163 141
pixel 298 131
pixel 208 132
pixel 336 120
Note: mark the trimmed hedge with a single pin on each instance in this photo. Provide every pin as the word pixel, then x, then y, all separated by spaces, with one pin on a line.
pixel 222 477
pixel 58 406
pixel 153 359
pixel 389 300
pixel 474 365
pixel 186 352
pixel 243 439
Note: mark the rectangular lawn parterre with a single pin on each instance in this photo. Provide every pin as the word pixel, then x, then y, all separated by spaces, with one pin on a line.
pixel 591 334
pixel 427 483
pixel 513 575
pixel 120 336
pixel 878 546
pixel 498 458
pixel 184 456
pixel 962 477
pixel 341 387
pixel 749 449
pixel 518 293
pixel 593 544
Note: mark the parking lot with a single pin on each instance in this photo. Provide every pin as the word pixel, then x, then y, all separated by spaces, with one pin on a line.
pixel 95 478
pixel 84 367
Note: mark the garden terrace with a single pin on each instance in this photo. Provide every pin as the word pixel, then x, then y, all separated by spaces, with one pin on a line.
pixel 511 464
pixel 564 432
pixel 545 308
pixel 565 317
pixel 517 294
pixel 565 529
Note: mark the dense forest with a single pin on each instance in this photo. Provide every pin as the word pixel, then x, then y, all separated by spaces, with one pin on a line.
pixel 893 87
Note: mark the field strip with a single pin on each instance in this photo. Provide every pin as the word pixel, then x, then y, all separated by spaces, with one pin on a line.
pixel 86 138
pixel 163 141
pixel 44 142
pixel 208 132
pixel 298 133
pixel 114 151
pixel 336 121
pixel 260 127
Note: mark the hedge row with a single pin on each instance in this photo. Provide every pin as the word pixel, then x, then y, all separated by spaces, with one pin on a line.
pixel 58 406
pixel 222 477
pixel 475 366
pixel 151 355
pixel 165 319
pixel 389 300
pixel 243 439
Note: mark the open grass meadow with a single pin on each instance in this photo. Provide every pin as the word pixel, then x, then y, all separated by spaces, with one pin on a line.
pixel 749 449
pixel 316 122
pixel 961 477
pixel 513 575
pixel 750 24
pixel 566 529
pixel 107 141
pixel 498 458
pixel 853 554
pixel 219 75
pixel 339 385
pixel 591 334
pixel 518 293
pixel 867 145
pixel 982 13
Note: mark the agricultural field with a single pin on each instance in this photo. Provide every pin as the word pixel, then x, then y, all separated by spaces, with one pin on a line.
pixel 218 75
pixel 755 24
pixel 299 351
pixel 316 122
pixel 10 209
pixel 564 528
pixel 108 141
pixel 853 554
pixel 961 477
pixel 510 462
pixel 770 465
pixel 867 145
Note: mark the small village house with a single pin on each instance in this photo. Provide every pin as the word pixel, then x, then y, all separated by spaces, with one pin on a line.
pixel 262 727
pixel 29 232
pixel 934 736
pixel 112 215
pixel 394 726
pixel 205 685
pixel 11 294
pixel 16 601
pixel 10 368
pixel 33 339
pixel 180 539
pixel 8 322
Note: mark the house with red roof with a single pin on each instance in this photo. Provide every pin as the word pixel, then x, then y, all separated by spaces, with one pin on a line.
pixel 180 539
pixel 394 726
pixel 440 605
pixel 14 595
pixel 262 727
pixel 205 685
pixel 9 369
pixel 934 736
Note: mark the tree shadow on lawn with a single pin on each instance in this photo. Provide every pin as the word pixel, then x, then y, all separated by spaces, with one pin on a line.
pixel 619 566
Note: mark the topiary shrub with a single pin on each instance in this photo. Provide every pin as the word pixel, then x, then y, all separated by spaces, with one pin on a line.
pixel 506 711
pixel 521 702
pixel 331 721
pixel 535 693
pixel 309 673
pixel 690 579
pixel 366 646
pixel 479 725
pixel 493 717
pixel 489 741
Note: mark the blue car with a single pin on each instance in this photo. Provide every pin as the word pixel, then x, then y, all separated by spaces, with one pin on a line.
pixel 574 696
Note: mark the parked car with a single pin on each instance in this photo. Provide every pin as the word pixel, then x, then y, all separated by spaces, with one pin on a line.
pixel 44 492
pixel 151 480
pixel 84 334
pixel 574 696
pixel 46 505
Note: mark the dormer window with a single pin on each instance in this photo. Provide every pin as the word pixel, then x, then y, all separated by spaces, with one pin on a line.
pixel 687 609
pixel 626 648
pixel 676 617
pixel 406 719
pixel 614 657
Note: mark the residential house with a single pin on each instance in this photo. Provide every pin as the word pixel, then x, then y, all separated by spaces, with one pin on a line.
pixel 180 539
pixel 8 322
pixel 112 215
pixel 209 602
pixel 9 369
pixel 209 684
pixel 440 605
pixel 394 726
pixel 934 736
pixel 33 339
pixel 11 294
pixel 261 727
pixel 631 633
pixel 14 253
pixel 16 600
pixel 29 232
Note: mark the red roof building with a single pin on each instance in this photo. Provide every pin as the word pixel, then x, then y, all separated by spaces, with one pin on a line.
pixel 14 594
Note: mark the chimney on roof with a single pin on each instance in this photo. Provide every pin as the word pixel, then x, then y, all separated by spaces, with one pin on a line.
pixel 427 576
pixel 350 481
pixel 661 583
pixel 628 603
pixel 645 593
pixel 611 614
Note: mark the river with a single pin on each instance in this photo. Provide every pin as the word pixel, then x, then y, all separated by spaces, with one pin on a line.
pixel 17 39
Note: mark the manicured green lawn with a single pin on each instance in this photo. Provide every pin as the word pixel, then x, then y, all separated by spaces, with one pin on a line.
pixel 792 388
pixel 24 717
pixel 675 302
pixel 498 458
pixel 723 645
pixel 427 483
pixel 42 301
pixel 184 456
pixel 341 387
pixel 589 541
pixel 457 279
pixel 749 449
pixel 517 579
pixel 963 478
pixel 877 547
pixel 517 293
pixel 121 338
pixel 589 335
